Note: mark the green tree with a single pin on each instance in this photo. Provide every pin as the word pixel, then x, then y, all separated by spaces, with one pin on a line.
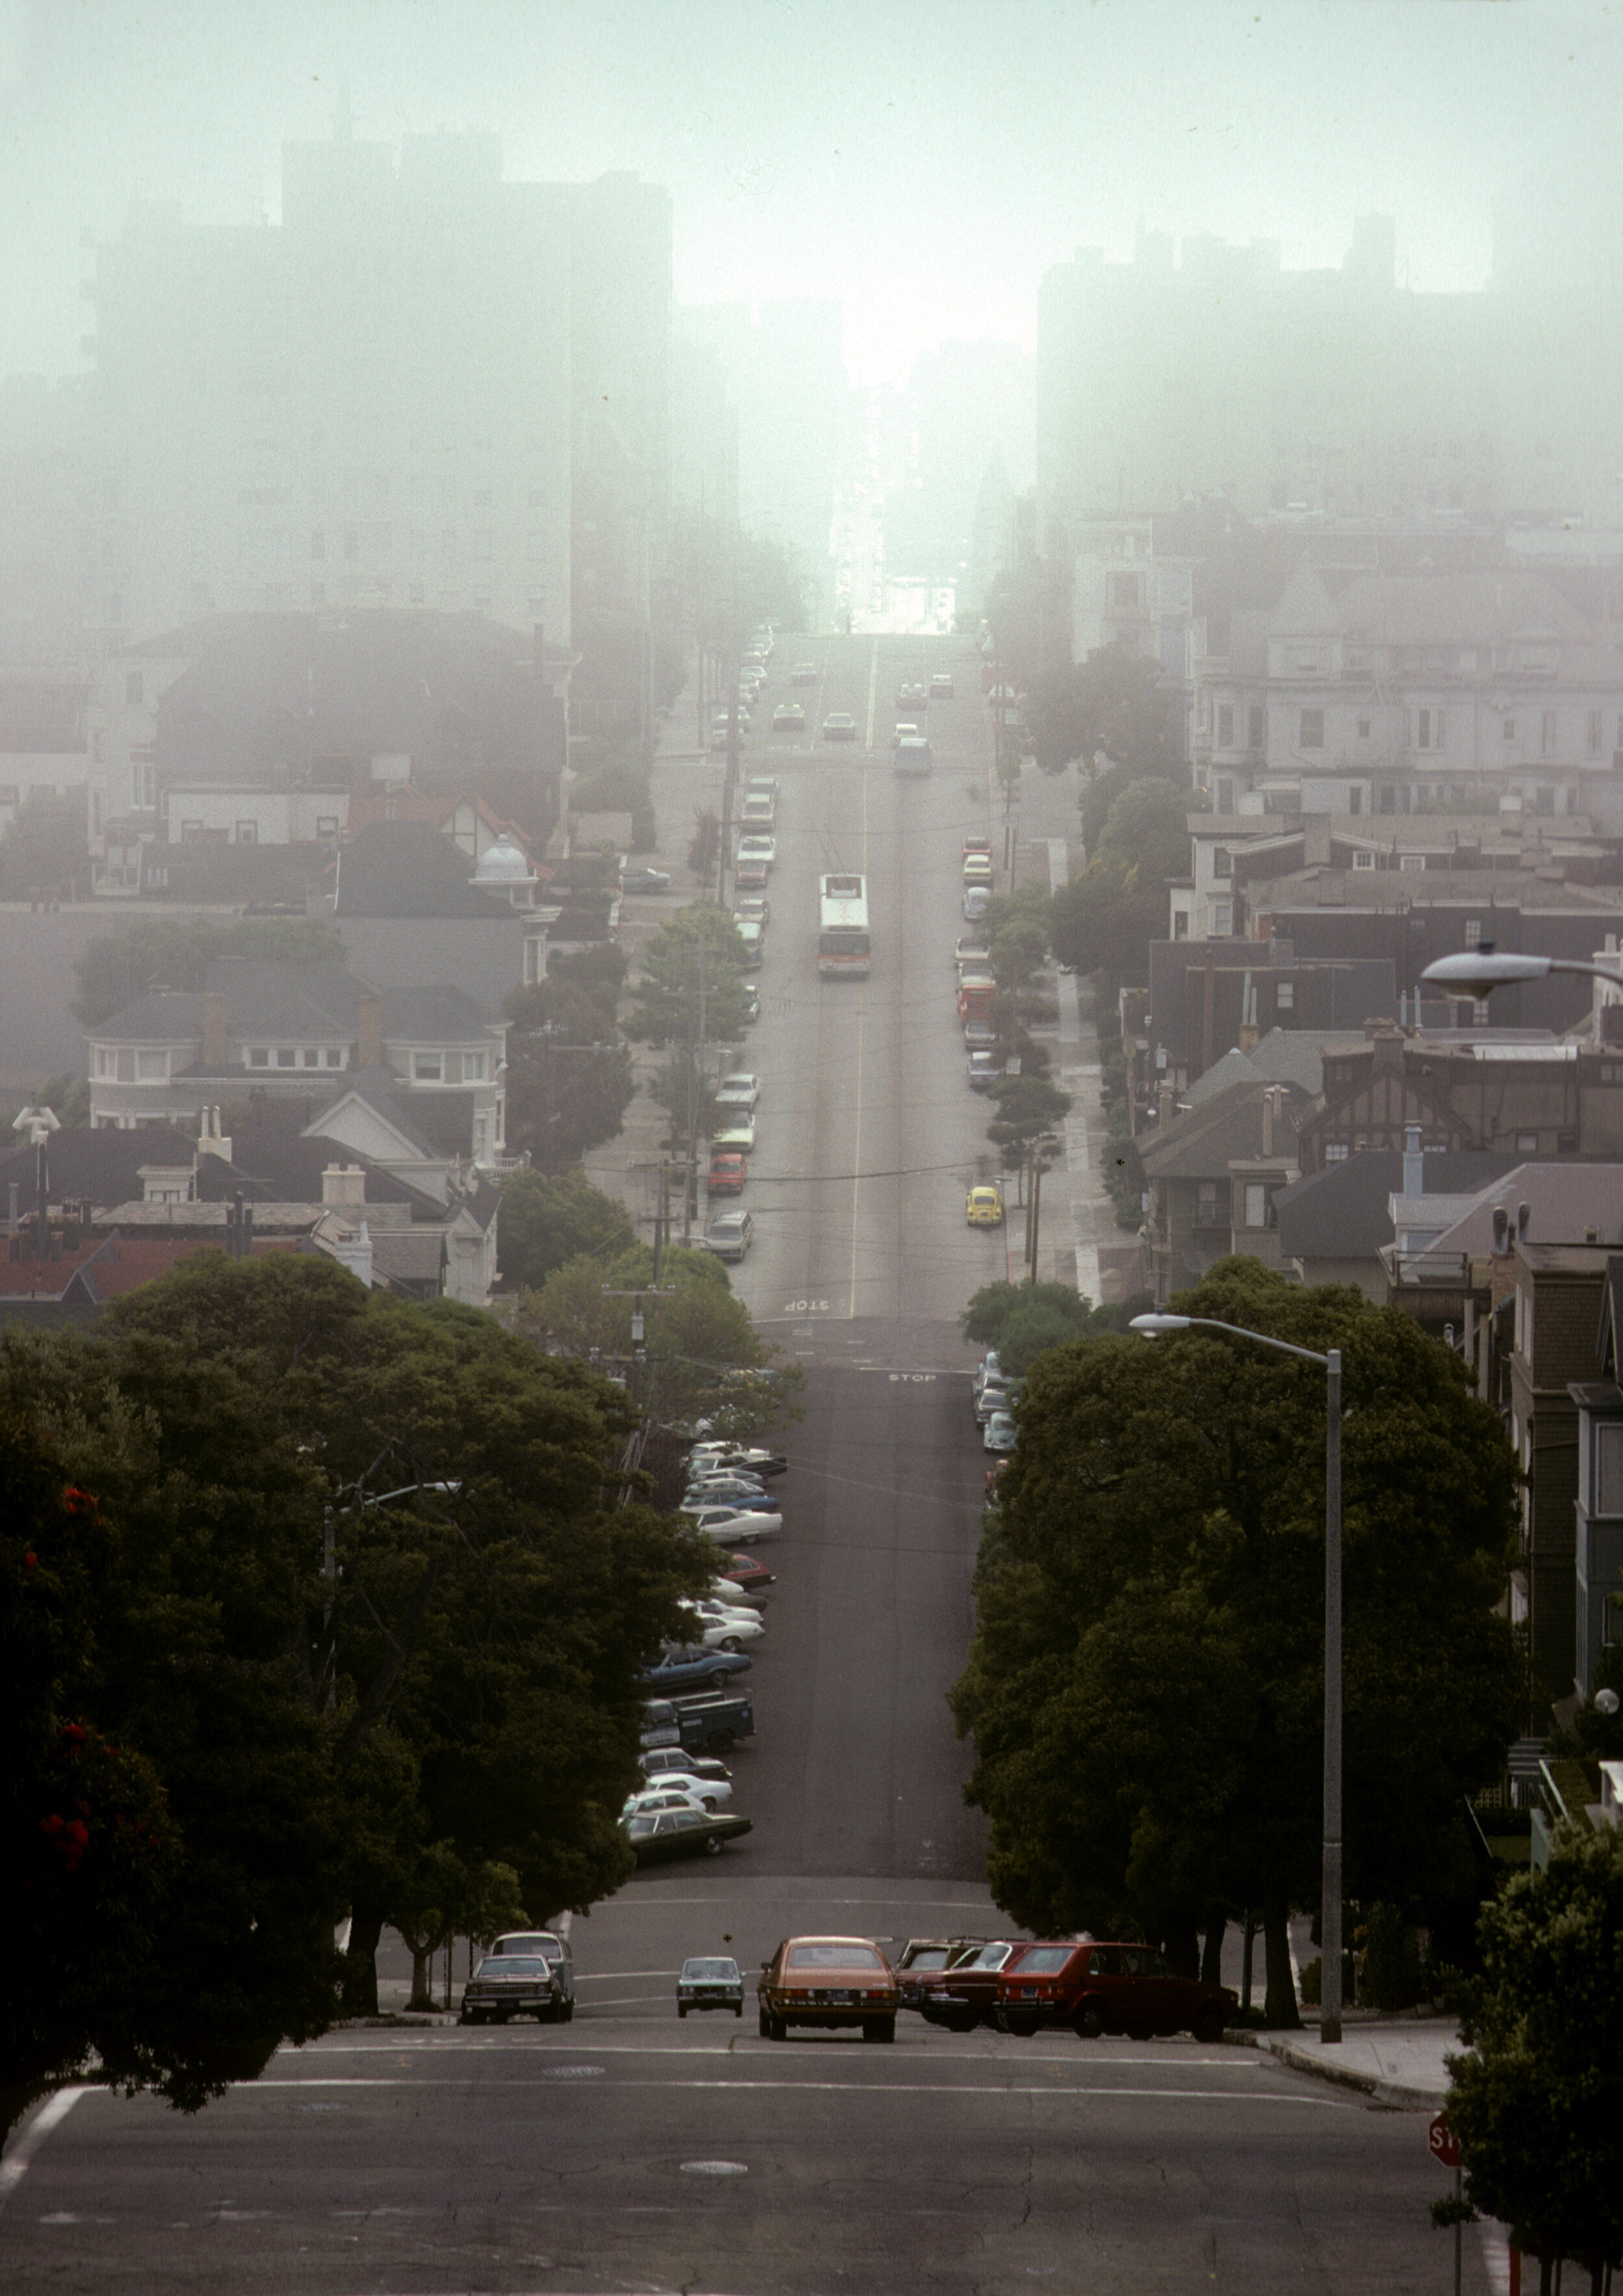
pixel 989 1310
pixel 176 952
pixel 569 1075
pixel 692 986
pixel 1104 921
pixel 45 851
pixel 1028 1106
pixel 467 1676
pixel 704 846
pixel 1537 2101
pixel 547 1218
pixel 68 1096
pixel 1116 704
pixel 1145 1686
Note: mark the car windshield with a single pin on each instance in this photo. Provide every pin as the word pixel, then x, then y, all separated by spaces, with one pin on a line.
pixel 546 1944
pixel 1044 1958
pixel 721 1969
pixel 833 1957
pixel 932 1958
pixel 641 1826
pixel 514 1965
pixel 990 1956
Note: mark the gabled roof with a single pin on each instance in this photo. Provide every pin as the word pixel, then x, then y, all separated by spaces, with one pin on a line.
pixel 1568 1201
pixel 407 869
pixel 162 1016
pixel 84 1163
pixel 440 1014
pixel 1203 1142
pixel 1344 1212
pixel 1468 608
pixel 287 1167
pixel 271 996
pixel 376 1090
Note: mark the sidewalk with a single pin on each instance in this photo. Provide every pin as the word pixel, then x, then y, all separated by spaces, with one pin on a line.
pixel 1398 2064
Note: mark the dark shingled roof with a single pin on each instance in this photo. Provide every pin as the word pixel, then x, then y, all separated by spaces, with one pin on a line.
pixel 101 1168
pixel 406 869
pixel 1341 1213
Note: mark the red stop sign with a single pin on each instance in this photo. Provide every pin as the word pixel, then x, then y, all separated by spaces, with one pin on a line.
pixel 1445 2145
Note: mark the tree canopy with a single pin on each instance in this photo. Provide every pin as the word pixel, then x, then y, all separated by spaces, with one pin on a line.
pixel 691 988
pixel 1145 1684
pixel 463 1683
pixel 1105 920
pixel 1537 2103
pixel 1115 703
pixel 547 1218
pixel 1020 1320
pixel 47 849
pixel 569 1075
pixel 176 952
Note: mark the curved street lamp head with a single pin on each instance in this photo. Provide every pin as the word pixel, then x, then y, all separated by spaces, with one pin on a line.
pixel 1153 1326
pixel 1479 971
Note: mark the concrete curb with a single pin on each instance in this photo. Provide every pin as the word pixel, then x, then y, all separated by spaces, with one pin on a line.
pixel 1395 2094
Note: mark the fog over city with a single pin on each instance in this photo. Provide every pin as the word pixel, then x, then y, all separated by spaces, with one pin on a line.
pixel 811 1058
pixel 923 164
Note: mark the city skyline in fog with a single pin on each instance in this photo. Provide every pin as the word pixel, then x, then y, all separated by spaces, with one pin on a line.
pixel 922 167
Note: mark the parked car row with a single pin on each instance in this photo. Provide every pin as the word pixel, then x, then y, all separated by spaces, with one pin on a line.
pixel 526 1973
pixel 994 1395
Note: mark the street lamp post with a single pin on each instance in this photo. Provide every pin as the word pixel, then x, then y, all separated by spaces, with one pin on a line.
pixel 1329 1919
pixel 1479 971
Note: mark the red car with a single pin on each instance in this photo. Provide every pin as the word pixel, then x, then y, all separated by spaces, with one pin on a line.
pixel 745 1571
pixel 1107 1989
pixel 728 1174
pixel 920 1955
pixel 966 1995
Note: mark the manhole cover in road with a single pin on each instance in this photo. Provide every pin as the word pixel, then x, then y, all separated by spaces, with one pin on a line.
pixel 574 2072
pixel 714 2168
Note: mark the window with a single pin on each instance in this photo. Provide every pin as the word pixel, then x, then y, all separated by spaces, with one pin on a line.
pixel 127 1066
pixel 1255 721
pixel 1544 800
pixel 1222 861
pixel 1225 725
pixel 1546 733
pixel 286 1057
pixel 1608 1467
pixel 190 832
pixel 1255 1205
pixel 473 1068
pixel 1223 919
pixel 1180 927
pixel 247 832
pixel 1432 727
pixel 1507 729
pixel 1312 732
pixel 1364 729
pixel 1335 1151
pixel 1355 798
pixel 8 792
pixel 1410 861
pixel 326 825
pixel 1363 860
pixel 311 1056
pixel 1527 1143
pixel 151 1068
pixel 1474 932
pixel 135 686
pixel 1205 1203
pixel 1226 797
pixel 1592 737
pixel 333 1056
pixel 1284 997
pixel 428 1068
pixel 259 1056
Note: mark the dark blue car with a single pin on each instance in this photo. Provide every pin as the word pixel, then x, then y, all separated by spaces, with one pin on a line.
pixel 689 1666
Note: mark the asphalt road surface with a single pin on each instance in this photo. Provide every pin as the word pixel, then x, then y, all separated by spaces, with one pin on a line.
pixel 628 2152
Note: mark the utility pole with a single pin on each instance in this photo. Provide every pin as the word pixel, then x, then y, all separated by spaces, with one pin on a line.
pixel 661 1220
pixel 690 1193
pixel 1037 1201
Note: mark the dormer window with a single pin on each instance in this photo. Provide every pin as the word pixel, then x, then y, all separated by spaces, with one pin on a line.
pixel 259 1056
pixel 428 1068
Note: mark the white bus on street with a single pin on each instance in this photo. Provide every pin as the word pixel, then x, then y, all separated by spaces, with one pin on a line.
pixel 842 928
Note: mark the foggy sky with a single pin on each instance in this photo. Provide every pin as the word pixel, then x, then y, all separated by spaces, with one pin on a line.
pixel 922 163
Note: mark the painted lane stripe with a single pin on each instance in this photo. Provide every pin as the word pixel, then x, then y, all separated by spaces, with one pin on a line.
pixel 843 2088
pixel 1233 2060
pixel 50 2115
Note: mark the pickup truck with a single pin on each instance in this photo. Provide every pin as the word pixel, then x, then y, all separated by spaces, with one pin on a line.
pixel 713 1722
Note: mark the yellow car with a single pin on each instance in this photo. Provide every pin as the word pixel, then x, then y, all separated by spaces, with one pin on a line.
pixel 984 1207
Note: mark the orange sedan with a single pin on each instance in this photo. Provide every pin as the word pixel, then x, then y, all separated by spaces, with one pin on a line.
pixel 827 1981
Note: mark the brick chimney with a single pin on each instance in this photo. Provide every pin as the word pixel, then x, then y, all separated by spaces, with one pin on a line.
pixel 214 1050
pixel 369 1031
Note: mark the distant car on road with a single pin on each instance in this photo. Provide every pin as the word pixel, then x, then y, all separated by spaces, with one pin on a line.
pixel 683 1833
pixel 752 909
pixel 644 880
pixel 827 1981
pixel 804 673
pixel 941 687
pixel 728 1174
pixel 985 1068
pixel 729 1235
pixel 788 717
pixel 1000 1432
pixel 904 731
pixel 739 1135
pixel 759 846
pixel 689 1666
pixel 711 1981
pixel 739 1089
pixel 1108 1989
pixel 984 1206
pixel 977 868
pixel 913 756
pixel 839 726
pixel 976 898
pixel 913 697
pixel 514 1985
